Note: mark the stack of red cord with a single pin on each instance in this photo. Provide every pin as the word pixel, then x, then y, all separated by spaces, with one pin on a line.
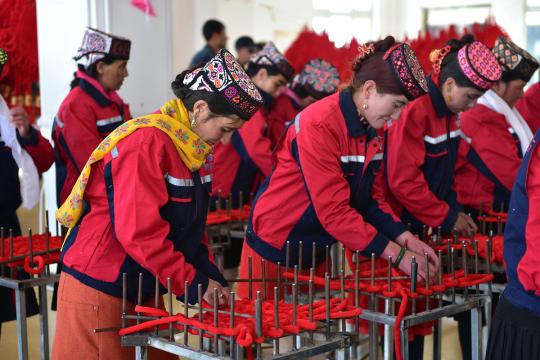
pixel 21 247
pixel 222 217
pixel 493 217
pixel 497 255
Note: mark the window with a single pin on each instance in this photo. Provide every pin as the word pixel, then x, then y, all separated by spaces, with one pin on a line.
pixel 343 20
pixel 439 17
pixel 532 22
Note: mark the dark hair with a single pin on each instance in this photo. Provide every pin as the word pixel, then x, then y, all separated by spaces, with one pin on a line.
pixel 216 102
pixel 92 69
pixel 244 42
pixel 374 67
pixel 450 65
pixel 508 76
pixel 212 27
pixel 253 69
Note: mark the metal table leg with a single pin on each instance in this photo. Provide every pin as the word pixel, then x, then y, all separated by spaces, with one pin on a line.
pixel 22 337
pixel 43 322
pixel 476 333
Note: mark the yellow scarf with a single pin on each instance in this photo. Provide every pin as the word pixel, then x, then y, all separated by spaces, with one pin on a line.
pixel 173 120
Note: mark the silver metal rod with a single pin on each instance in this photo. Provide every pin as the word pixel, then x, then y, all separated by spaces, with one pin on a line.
pixel 22 334
pixel 300 247
pixel 124 297
pixel 294 304
pixel 216 304
pixel 139 293
pixel 169 296
pixel 43 322
pixel 250 274
pixel 327 300
pixel 373 327
pixel 200 299
pixel 263 276
pixel 426 259
pixel 314 255
pixel 276 319
pixel 389 310
pixel 231 324
pixel 186 311
pixel 258 323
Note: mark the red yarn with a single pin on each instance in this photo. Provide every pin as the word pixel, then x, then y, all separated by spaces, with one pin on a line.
pixel 21 247
pixel 37 270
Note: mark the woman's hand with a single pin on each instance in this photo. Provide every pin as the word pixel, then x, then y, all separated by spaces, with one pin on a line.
pixel 412 243
pixel 19 119
pixel 464 224
pixel 223 293
pixel 393 249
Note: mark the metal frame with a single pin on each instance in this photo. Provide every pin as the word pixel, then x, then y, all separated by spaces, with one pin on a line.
pixel 20 287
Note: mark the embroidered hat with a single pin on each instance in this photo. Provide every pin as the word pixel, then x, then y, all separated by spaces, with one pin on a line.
pixel 318 78
pixel 3 59
pixel 407 70
pixel 223 74
pixel 515 60
pixel 270 56
pixel 479 65
pixel 97 44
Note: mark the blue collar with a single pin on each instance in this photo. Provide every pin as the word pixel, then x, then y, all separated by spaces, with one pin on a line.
pixel 94 93
pixel 437 99
pixel 350 113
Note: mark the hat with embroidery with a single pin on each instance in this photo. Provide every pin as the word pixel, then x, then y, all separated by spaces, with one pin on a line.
pixel 479 65
pixel 270 56
pixel 224 75
pixel 3 59
pixel 97 44
pixel 407 70
pixel 514 60
pixel 318 78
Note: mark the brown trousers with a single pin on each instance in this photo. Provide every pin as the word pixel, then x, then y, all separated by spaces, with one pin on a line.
pixel 81 309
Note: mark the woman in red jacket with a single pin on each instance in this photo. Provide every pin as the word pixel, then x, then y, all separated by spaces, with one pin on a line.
pixel 248 157
pixel 529 107
pixel 140 205
pixel 21 147
pixel 93 108
pixel 422 144
pixel 317 80
pixel 496 135
pixel 326 186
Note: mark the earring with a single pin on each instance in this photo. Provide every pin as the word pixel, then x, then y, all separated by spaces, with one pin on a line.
pixel 448 98
pixel 364 106
pixel 193 123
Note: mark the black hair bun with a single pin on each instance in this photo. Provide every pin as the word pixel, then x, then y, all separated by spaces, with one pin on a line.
pixel 457 44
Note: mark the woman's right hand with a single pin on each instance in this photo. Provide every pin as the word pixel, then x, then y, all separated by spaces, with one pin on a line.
pixel 223 293
pixel 465 224
pixel 405 266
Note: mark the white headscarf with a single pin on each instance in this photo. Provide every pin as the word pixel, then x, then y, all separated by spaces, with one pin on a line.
pixel 513 117
pixel 30 177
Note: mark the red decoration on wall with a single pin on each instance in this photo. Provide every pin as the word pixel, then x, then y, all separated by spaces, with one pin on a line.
pixel 18 37
pixel 309 45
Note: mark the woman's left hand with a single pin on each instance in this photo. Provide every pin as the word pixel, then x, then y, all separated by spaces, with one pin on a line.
pixel 19 119
pixel 418 246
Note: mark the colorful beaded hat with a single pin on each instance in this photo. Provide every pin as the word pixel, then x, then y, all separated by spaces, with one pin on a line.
pixel 514 59
pixel 479 65
pixel 407 70
pixel 319 78
pixel 223 74
pixel 270 56
pixel 97 44
pixel 3 59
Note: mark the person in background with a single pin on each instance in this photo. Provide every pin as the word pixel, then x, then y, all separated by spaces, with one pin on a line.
pixel 515 328
pixel 529 107
pixel 216 39
pixel 140 208
pixel 317 80
pixel 326 185
pixel 21 147
pixel 422 146
pixel 242 163
pixel 496 135
pixel 93 108
pixel 245 47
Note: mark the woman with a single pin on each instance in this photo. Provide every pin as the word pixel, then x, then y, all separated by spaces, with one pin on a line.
pixel 515 330
pixel 327 180
pixel 496 136
pixel 142 208
pixel 21 147
pixel 93 108
pixel 529 107
pixel 248 157
pixel 317 80
pixel 422 145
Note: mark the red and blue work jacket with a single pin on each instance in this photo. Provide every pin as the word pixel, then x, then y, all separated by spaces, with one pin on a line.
pixel 522 233
pixel 85 117
pixel 488 159
pixel 420 156
pixel 325 187
pixel 145 212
